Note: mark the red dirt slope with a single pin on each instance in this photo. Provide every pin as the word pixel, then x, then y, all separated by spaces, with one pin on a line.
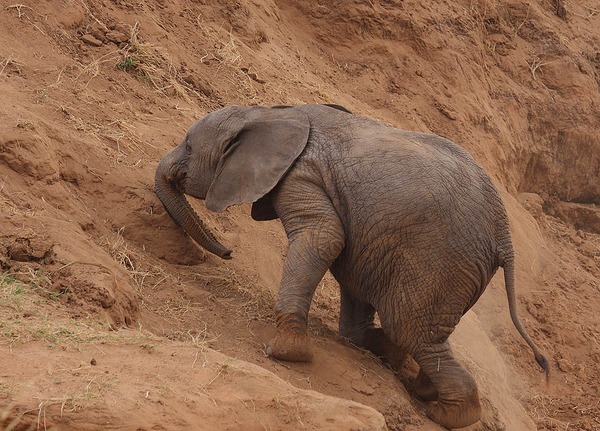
pixel 110 316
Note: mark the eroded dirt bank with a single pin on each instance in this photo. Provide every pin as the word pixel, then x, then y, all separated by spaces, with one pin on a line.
pixel 110 316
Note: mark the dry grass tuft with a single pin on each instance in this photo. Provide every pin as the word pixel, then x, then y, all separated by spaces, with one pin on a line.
pixel 129 259
pixel 93 69
pixel 15 418
pixel 198 338
pixel 152 64
pixel 536 64
pixel 25 316
pixel 249 298
pixel 8 65
pixel 542 409
pixel 119 139
pixel 20 9
pixel 227 54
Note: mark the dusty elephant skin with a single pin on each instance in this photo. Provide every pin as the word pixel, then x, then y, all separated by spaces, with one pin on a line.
pixel 409 224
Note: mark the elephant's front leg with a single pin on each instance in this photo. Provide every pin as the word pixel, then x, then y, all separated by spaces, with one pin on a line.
pixel 314 243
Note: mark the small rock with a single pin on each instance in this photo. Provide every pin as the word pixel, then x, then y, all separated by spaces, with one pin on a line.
pixel 117 36
pixel 533 203
pixel 564 365
pixel 198 84
pixel 446 111
pixel 93 362
pixel 120 27
pixel 561 12
pixel 252 75
pixel 98 30
pixel 91 40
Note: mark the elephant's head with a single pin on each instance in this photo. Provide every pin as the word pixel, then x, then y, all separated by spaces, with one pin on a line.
pixel 231 156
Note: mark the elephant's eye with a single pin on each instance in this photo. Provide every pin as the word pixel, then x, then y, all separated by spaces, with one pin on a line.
pixel 232 143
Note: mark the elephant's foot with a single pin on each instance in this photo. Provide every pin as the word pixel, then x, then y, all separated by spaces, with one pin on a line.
pixel 291 342
pixel 452 414
pixel 290 347
pixel 423 388
pixel 457 403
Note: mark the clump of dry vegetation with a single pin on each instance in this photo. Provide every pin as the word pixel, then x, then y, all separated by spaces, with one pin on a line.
pixel 153 64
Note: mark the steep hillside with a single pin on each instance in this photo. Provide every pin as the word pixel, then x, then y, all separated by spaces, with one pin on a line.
pixel 110 316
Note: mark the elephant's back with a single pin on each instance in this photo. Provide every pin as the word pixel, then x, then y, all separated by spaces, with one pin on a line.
pixel 416 177
pixel 375 172
pixel 390 183
pixel 417 205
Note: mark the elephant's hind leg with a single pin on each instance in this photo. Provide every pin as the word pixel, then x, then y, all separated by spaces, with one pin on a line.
pixel 458 401
pixel 357 324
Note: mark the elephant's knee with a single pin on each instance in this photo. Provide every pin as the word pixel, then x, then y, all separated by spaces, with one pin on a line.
pixel 330 244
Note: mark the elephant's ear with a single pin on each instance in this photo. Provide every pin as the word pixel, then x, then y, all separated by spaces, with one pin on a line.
pixel 255 160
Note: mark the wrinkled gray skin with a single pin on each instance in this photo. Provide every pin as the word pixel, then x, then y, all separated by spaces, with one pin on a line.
pixel 408 223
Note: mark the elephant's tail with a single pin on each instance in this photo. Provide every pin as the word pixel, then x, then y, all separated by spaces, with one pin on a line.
pixel 509 281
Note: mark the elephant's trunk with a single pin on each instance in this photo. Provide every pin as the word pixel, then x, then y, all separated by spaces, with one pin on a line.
pixel 182 212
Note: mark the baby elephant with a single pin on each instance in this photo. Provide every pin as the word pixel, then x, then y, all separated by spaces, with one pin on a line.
pixel 408 223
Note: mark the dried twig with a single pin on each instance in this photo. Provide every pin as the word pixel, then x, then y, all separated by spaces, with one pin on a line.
pixel 19 7
pixel 537 63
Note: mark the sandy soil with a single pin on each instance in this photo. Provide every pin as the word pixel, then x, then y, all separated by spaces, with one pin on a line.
pixel 111 318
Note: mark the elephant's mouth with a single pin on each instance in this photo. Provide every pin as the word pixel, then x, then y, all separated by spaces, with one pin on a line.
pixel 179 185
pixel 170 187
pixel 177 178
